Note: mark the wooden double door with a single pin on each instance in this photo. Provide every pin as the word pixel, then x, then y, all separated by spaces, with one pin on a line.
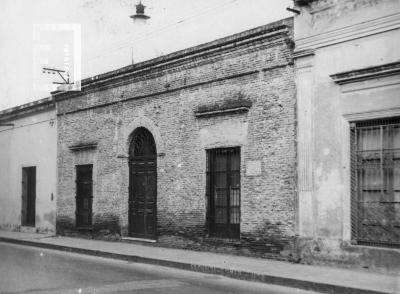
pixel 143 185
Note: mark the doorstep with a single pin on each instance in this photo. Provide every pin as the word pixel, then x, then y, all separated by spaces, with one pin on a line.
pixel 139 239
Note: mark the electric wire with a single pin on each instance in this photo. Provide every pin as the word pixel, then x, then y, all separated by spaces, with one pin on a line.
pixel 151 34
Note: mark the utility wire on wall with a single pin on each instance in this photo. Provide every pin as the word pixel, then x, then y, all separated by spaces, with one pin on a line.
pixel 150 35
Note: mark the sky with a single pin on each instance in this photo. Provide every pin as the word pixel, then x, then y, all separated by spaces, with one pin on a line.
pixel 90 37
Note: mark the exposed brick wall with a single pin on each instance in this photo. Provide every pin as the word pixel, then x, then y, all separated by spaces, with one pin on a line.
pixel 164 100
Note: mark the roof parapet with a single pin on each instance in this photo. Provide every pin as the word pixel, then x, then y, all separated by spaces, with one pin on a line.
pixel 270 30
pixel 27 108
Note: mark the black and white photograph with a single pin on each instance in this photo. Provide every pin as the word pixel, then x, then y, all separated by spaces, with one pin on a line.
pixel 200 146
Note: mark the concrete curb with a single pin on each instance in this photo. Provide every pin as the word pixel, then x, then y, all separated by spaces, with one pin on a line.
pixel 235 274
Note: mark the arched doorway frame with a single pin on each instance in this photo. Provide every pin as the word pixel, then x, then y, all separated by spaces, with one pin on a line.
pixel 142 201
pixel 128 129
pixel 124 138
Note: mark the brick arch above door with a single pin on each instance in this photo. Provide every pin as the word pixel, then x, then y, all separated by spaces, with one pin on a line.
pixel 128 129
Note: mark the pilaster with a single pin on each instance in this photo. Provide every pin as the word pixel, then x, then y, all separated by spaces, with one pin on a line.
pixel 304 61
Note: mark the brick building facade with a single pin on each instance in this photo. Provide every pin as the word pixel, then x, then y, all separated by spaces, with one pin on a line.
pixel 193 149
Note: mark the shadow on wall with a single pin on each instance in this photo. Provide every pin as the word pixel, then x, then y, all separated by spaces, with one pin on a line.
pixel 105 227
pixel 268 242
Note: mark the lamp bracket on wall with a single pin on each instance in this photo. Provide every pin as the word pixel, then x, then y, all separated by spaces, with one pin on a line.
pixel 64 75
pixel 293 10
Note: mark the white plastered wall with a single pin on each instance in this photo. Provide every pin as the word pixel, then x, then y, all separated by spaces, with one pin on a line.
pixel 30 142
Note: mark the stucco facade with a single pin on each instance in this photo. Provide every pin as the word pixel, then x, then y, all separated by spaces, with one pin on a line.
pixel 236 92
pixel 347 74
pixel 28 139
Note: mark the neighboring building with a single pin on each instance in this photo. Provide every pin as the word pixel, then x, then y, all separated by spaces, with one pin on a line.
pixel 28 142
pixel 347 62
pixel 194 149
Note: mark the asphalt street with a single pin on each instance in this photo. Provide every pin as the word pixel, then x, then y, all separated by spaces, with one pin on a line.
pixel 26 269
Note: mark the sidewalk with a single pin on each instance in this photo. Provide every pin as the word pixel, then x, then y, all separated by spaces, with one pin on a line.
pixel 322 279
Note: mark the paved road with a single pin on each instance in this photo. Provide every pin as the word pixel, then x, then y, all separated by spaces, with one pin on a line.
pixel 26 269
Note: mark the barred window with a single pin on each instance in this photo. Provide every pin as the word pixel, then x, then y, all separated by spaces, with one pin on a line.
pixel 376 182
pixel 223 191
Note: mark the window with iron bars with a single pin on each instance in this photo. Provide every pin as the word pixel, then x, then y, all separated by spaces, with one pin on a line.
pixel 223 192
pixel 375 180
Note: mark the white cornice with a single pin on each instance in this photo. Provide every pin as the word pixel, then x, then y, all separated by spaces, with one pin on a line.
pixel 367 28
pixel 369 73
pixel 392 112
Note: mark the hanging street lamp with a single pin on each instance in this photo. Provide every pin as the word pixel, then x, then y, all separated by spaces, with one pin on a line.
pixel 140 17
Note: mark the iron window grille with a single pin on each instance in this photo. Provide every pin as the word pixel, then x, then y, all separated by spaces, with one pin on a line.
pixel 223 192
pixel 375 182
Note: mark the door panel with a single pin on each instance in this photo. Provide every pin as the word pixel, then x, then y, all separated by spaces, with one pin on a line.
pixel 143 204
pixel 24 207
pixel 84 195
pixel 28 211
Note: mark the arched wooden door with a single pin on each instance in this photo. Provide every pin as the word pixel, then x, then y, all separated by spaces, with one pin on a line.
pixel 142 185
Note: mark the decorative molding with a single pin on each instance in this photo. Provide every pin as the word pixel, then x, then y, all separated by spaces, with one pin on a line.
pixel 367 28
pixel 377 114
pixel 235 110
pixel 237 103
pixel 368 73
pixel 81 147
pixel 303 53
pixel 391 81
